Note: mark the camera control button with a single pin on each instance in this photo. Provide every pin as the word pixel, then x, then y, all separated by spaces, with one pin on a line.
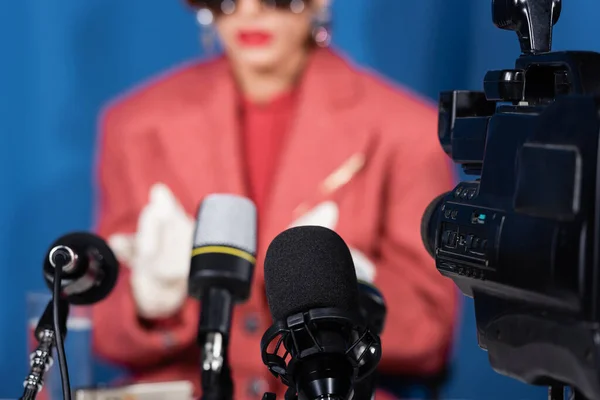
pixel 469 241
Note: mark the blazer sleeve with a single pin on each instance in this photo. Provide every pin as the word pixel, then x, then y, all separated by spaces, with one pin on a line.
pixel 422 304
pixel 119 335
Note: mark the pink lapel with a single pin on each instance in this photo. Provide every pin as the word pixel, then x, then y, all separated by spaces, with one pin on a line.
pixel 201 137
pixel 327 138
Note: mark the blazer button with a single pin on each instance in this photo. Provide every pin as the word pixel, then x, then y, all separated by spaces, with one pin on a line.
pixel 257 387
pixel 252 322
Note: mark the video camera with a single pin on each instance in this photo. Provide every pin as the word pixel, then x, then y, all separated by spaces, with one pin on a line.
pixel 522 238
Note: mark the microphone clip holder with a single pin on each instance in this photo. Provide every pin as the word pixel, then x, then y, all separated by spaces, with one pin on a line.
pixel 342 342
pixel 41 358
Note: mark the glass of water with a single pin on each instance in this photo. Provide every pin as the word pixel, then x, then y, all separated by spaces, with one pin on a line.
pixel 78 346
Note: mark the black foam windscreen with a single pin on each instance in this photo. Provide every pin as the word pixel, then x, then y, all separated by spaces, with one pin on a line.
pixel 81 242
pixel 309 267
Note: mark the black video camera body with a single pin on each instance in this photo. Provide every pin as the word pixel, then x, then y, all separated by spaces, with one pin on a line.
pixel 522 238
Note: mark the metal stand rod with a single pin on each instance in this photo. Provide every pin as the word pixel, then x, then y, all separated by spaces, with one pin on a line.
pixel 41 361
pixel 217 383
pixel 556 393
pixel 41 358
pixel 222 389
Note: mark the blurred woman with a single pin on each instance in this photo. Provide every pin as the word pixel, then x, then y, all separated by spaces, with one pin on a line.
pixel 311 139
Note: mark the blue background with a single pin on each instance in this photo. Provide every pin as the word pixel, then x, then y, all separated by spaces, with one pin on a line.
pixel 63 59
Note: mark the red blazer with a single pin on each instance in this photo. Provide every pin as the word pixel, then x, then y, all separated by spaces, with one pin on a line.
pixel 369 147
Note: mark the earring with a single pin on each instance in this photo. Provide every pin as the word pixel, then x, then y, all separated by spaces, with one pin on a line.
pixel 227 6
pixel 297 6
pixel 321 31
pixel 208 35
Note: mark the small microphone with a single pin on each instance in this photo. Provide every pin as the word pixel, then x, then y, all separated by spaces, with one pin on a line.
pixel 313 296
pixel 222 266
pixel 87 270
pixel 89 267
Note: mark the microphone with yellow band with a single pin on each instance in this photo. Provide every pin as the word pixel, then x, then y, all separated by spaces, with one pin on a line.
pixel 221 270
pixel 224 250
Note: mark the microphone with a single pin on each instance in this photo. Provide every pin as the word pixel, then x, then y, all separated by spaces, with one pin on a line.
pixel 89 268
pixel 222 266
pixel 79 268
pixel 313 297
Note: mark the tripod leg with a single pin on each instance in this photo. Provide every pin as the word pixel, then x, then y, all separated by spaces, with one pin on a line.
pixel 556 393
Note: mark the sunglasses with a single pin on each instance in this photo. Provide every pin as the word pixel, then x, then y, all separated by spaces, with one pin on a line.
pixel 229 6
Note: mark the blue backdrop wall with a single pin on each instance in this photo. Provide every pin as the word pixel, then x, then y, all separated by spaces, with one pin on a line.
pixel 62 60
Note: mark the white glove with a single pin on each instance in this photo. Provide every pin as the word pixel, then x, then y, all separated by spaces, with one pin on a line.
pixel 158 255
pixel 326 215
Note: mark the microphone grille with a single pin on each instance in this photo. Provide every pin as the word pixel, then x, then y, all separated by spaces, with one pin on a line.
pixel 226 220
pixel 309 267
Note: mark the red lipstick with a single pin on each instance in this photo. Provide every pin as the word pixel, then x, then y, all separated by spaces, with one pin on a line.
pixel 254 38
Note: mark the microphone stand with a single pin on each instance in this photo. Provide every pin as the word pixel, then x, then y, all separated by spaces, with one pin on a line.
pixel 216 373
pixel 213 339
pixel 41 357
pixel 217 385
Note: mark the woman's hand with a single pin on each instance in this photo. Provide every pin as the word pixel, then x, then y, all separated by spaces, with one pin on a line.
pixel 158 255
